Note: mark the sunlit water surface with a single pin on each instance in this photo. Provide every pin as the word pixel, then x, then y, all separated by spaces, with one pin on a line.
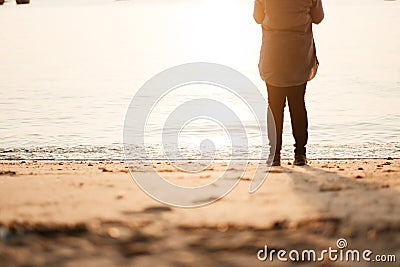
pixel 69 70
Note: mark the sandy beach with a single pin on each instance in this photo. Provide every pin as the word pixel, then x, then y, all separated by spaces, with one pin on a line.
pixel 93 214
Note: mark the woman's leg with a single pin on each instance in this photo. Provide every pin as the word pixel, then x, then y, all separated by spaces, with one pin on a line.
pixel 298 116
pixel 276 102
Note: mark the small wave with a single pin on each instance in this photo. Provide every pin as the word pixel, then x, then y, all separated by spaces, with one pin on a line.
pixel 116 152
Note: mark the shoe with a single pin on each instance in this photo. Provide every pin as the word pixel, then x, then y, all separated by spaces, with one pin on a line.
pixel 275 162
pixel 300 160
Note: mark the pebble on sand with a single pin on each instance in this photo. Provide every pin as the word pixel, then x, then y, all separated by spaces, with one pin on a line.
pixel 114 232
pixel 120 195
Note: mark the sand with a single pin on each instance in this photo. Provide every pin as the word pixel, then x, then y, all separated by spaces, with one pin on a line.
pixel 93 214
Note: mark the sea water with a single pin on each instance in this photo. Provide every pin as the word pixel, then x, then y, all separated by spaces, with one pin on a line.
pixel 69 69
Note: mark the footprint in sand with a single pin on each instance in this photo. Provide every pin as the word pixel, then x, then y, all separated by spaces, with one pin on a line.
pixel 156 209
pixel 10 173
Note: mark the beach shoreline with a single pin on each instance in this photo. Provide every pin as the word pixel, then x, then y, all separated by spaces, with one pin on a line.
pixel 92 213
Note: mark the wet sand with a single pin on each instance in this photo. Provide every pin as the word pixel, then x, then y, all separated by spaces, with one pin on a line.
pixel 93 214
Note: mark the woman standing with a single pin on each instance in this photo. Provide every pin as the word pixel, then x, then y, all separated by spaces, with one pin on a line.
pixel 287 62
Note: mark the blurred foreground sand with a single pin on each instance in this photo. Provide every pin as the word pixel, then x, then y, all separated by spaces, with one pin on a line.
pixel 93 214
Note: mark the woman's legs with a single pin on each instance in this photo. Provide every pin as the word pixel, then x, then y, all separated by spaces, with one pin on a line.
pixel 298 114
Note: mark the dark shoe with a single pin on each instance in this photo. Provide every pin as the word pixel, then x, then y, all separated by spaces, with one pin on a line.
pixel 275 162
pixel 300 160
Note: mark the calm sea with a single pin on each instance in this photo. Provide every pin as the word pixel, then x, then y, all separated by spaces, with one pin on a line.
pixel 69 69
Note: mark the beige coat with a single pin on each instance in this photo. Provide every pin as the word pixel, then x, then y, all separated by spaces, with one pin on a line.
pixel 288 56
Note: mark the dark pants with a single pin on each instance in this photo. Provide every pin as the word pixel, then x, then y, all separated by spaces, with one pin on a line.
pixel 298 114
